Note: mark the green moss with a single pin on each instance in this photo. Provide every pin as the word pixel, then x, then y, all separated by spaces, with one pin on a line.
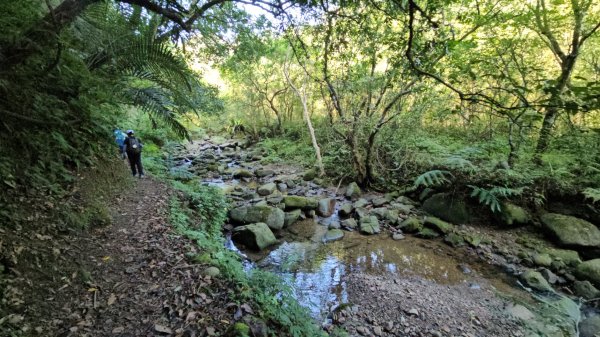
pixel 411 225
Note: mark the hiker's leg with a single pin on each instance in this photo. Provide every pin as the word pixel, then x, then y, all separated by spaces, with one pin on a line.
pixel 139 164
pixel 131 158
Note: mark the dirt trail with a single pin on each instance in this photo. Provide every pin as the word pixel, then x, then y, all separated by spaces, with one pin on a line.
pixel 133 278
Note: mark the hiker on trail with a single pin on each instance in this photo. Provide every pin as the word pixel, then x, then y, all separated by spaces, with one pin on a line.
pixel 120 140
pixel 133 148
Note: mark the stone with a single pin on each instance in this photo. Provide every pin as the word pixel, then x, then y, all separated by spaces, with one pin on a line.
pixel 326 207
pixel 353 191
pixel 438 224
pixel 345 210
pixel 590 271
pixel 275 199
pixel 571 231
pixel 535 280
pixel 520 312
pixel 272 216
pixel 369 225
pixel 542 260
pixel 549 276
pixel 398 236
pixel 211 271
pixel 590 327
pixel 291 217
pixel 379 212
pixel 282 187
pixel 350 224
pixel 513 215
pixel 309 175
pixel 360 203
pixel 266 189
pixel 569 257
pixel 448 208
pixel 298 202
pixel 261 173
pixel 334 225
pixel 473 240
pixel 427 233
pixel 242 173
pixel 392 216
pixel 333 235
pixel 380 201
pixel 411 225
pixel 257 236
pixel 402 208
pixel 586 290
pixel 361 213
pixel 454 240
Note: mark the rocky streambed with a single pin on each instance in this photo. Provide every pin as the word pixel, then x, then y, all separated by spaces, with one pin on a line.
pixel 387 265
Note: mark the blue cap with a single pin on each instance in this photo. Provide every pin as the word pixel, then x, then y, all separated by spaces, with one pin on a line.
pixel 129 132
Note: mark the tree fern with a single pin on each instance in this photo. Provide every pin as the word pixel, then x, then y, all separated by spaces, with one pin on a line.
pixel 459 163
pixel 592 193
pixel 492 197
pixel 432 178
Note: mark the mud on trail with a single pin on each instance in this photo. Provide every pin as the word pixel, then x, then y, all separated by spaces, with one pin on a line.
pixel 130 278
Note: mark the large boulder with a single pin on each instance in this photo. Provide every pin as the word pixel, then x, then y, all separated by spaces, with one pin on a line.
pixel 590 327
pixel 448 208
pixel 298 202
pixel 255 236
pixel 266 189
pixel 586 290
pixel 589 270
pixel 369 225
pixel 569 257
pixel 242 173
pixel 571 231
pixel 513 215
pixel 353 191
pixel 272 216
pixel 326 207
pixel 345 210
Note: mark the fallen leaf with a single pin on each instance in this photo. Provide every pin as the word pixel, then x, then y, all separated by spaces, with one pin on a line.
pixel 118 329
pixel 111 299
pixel 211 331
pixel 162 328
pixel 106 258
pixel 92 290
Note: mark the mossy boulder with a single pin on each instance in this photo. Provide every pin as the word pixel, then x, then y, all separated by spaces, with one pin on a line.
pixel 590 327
pixel 427 233
pixel 571 231
pixel 543 260
pixel 298 202
pixel 257 236
pixel 272 216
pixel 239 329
pixel 513 215
pixel 326 207
pixel 439 225
pixel 333 235
pixel 569 257
pixel 309 175
pixel 345 210
pixel 447 207
pixel 242 173
pixel 454 240
pixel 535 280
pixel 261 173
pixel 589 270
pixel 586 290
pixel 291 217
pixel 353 191
pixel 369 225
pixel 350 224
pixel 266 189
pixel 411 225
pixel 360 203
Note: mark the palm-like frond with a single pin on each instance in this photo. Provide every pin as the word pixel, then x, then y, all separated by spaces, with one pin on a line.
pixel 491 197
pixel 432 178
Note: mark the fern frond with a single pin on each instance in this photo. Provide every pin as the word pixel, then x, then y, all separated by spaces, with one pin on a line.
pixel 459 163
pixel 491 197
pixel 432 178
pixel 592 193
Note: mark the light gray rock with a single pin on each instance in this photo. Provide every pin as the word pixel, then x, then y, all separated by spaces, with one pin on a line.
pixel 256 236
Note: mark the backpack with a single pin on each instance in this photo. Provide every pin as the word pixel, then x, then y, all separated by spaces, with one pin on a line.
pixel 134 146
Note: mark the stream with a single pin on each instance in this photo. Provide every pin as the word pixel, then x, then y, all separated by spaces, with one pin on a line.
pixel 375 285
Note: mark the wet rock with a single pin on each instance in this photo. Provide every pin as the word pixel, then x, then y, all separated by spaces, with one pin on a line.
pixel 361 213
pixel 473 240
pixel 298 202
pixel 589 270
pixel 333 235
pixel 311 213
pixel 513 215
pixel 326 207
pixel 261 173
pixel 549 276
pixel 543 260
pixel 345 210
pixel 427 233
pixel 256 236
pixel 360 203
pixel 571 231
pixel 350 224
pixel 411 225
pixel 282 187
pixel 398 236
pixel 273 217
pixel 569 257
pixel 291 217
pixel 353 191
pixel 590 327
pixel 369 225
pixel 275 199
pixel 447 207
pixel 242 173
pixel 586 290
pixel 464 268
pixel 520 312
pixel 439 225
pixel 334 225
pixel 535 280
pixel 392 216
pixel 266 189
pixel 454 240
pixel 379 212
pixel 309 175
